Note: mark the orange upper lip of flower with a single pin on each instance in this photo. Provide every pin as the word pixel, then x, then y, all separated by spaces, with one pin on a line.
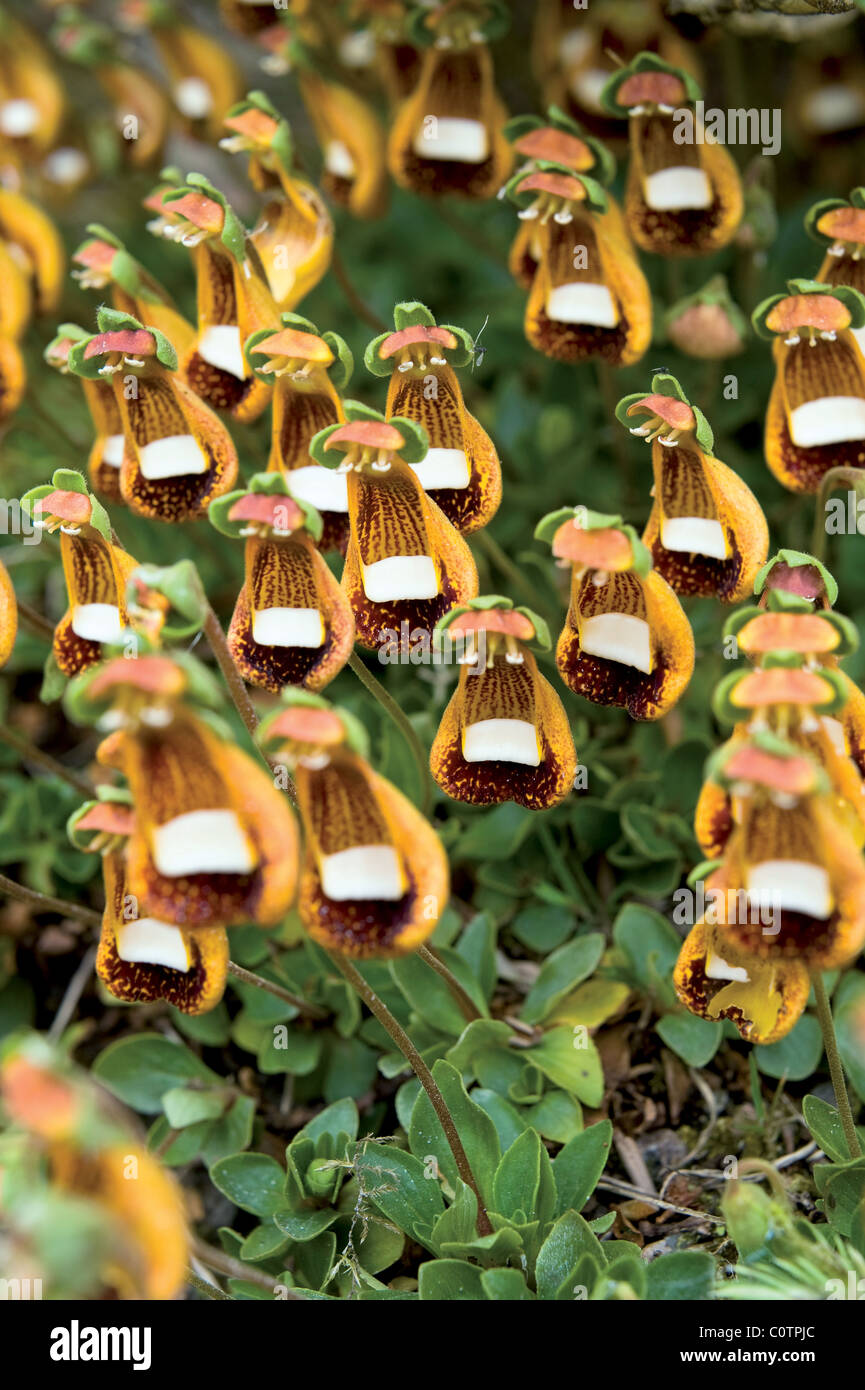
pixel 662 89
pixel 844 225
pixel 71 508
pixel 35 1098
pixel 202 212
pixel 129 342
pixel 664 411
pixel 369 434
pixel 306 725
pixel 508 622
pixel 276 512
pixel 800 632
pixel 780 685
pixel 416 333
pixel 153 675
pixel 254 125
pixel 109 818
pixel 570 190
pixel 96 259
pixel 603 549
pixel 822 313
pixel 557 146
pixel 792 775
pixel 291 350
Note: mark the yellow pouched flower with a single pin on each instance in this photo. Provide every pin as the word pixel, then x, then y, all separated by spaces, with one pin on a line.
pixel 94 568
pixel 405 562
pixel 309 369
pixel 8 616
pixel 292 624
pixel 505 734
pixel 106 453
pixel 203 78
pixel 32 96
pixel 683 195
pixel 374 880
pixel 102 262
pixel 588 297
pixel 447 136
pixel 294 233
pixel 626 641
pixel 32 236
pixel 233 296
pixel 838 225
pixel 715 979
pixel 461 469
pixel 214 842
pixel 816 415
pixel 72 1143
pixel 706 531
pixel 177 454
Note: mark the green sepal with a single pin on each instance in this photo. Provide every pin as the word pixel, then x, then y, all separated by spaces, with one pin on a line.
pixel 484 603
pixel 604 169
pixel 852 300
pixel 665 384
pixel 795 558
pixel 115 321
pixel 410 314
pixel 202 689
pixel 267 484
pixel 69 480
pixel 596 199
pixel 83 839
pixel 282 143
pixel 645 62
pixel 356 736
pixel 702 870
pixel 54 681
pixel 641 556
pixel 494 24
pixel 340 369
pixel 66 332
pixel 415 437
pixel 233 234
pixel 181 585
pixel 813 215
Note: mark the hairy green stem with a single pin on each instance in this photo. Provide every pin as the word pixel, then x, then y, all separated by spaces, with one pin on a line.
pixel 30 753
pixel 463 999
pixel 830 1042
pixel 259 982
pixel 832 479
pixel 392 709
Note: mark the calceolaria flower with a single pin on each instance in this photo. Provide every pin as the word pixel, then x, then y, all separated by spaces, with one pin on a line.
pixel 84 1206
pixel 374 878
pixel 102 262
pixel 504 735
pixel 309 370
pixel 447 136
pixel 460 469
pixel 292 624
pixel 405 561
pixel 294 233
pixel 558 140
pixel 36 241
pixel 95 569
pixel 204 80
pixel 106 454
pixel 626 639
pixel 588 297
pixel 706 530
pixel 234 299
pixel 791 884
pixel 684 194
pixel 838 224
pixel 214 842
pixel 708 323
pixel 8 616
pixel 816 415
pixel 177 454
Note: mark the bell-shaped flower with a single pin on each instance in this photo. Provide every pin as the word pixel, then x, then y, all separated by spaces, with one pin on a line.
pixel 558 140
pixel 374 878
pixel 791 885
pixel 294 233
pixel 203 78
pixel 72 1152
pixel 706 530
pixel 233 297
pixel 589 297
pixel 32 93
pixel 8 615
pixel 214 842
pixel 106 453
pixel 447 136
pixel 715 979
pixel 13 378
pixel 309 370
pixel 33 238
pixel 405 561
pixel 816 415
pixel 292 624
pixel 626 639
pixel 505 735
pixel 460 469
pixel 94 568
pixel 707 324
pixel 684 195
pixel 177 454
pixel 103 263
pixel 838 224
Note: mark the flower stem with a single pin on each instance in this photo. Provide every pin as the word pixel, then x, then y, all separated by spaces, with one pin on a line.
pixel 209 1290
pixel 259 982
pixel 38 625
pixel 360 307
pixel 239 693
pixel 226 1264
pixel 466 1004
pixel 423 1074
pixel 830 1042
pixel 831 480
pixel 40 902
pixel 30 753
pixel 390 706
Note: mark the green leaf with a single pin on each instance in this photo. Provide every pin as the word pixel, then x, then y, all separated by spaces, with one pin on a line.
pixel 400 1187
pixel 695 1040
pixel 542 928
pixel 797 1056
pixel 568 1241
pixel 825 1125
pixel 575 1068
pixel 474 1126
pixel 843 1194
pixel 449 1280
pixel 579 1165
pixel 264 1243
pixel 509 1121
pixel 496 834
pixel 560 973
pixel 429 995
pixel 231 1132
pixel 305 1225
pixel 139 1070
pixel 340 1118
pixel 556 1116
pixel 458 1223
pixel 476 1037
pixel 681 1275
pixel 505 1283
pixel 518 1177
pixel 649 942
pixel 184 1107
pixel 299 1051
pixel 849 1009
pixel 253 1182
